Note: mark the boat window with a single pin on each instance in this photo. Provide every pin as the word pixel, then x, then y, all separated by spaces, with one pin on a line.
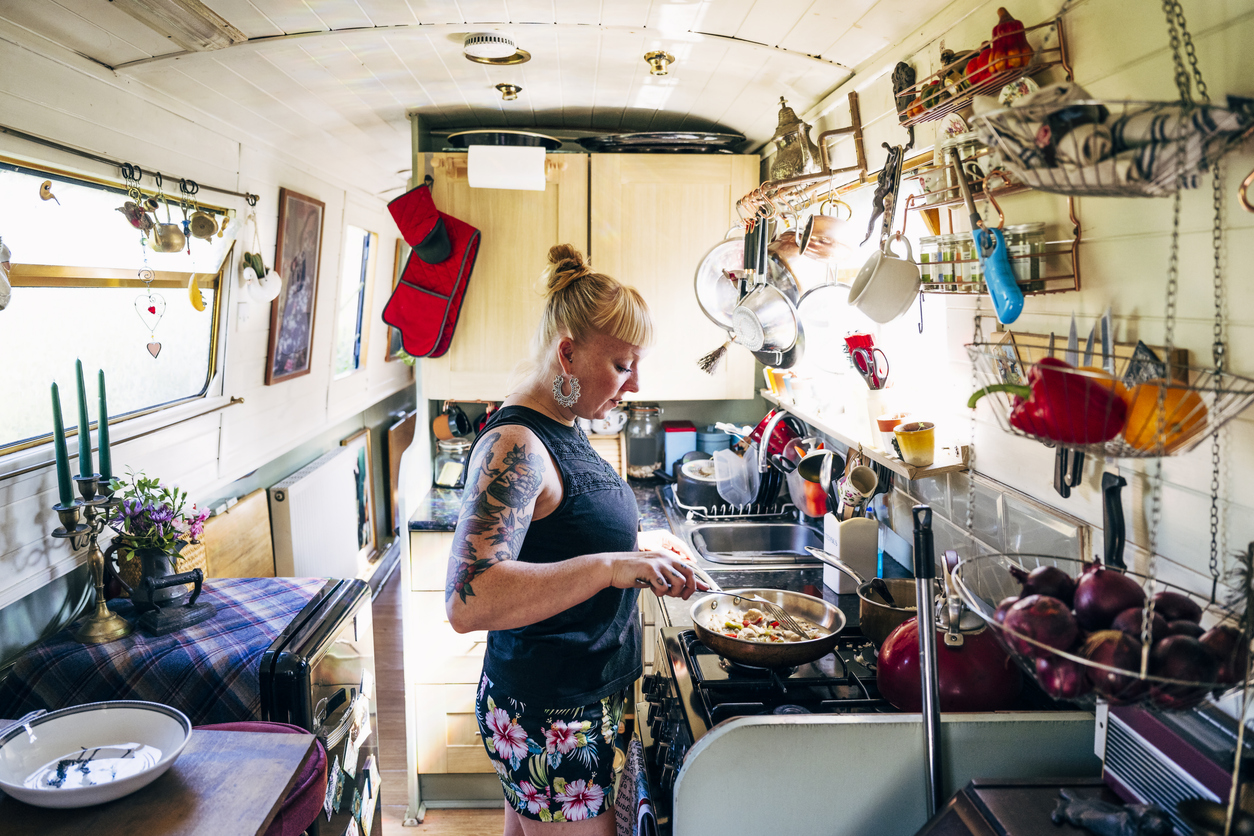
pixel 87 286
pixel 357 276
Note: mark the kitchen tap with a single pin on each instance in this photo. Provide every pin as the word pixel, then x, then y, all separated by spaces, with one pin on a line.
pixel 765 442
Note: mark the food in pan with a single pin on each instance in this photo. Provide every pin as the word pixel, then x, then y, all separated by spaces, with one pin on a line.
pixel 756 626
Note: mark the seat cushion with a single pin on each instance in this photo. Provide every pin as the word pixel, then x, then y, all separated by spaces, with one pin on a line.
pixel 304 801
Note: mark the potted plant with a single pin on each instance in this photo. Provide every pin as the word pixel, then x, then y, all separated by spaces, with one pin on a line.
pixel 155 524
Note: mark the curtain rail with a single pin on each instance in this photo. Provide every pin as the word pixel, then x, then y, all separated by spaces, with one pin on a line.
pixel 5 129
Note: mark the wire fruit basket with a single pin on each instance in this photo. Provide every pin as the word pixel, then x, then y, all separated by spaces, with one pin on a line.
pixel 985 580
pixel 1109 408
pixel 1112 148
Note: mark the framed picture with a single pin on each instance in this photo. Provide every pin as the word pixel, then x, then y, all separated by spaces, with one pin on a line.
pixel 363 474
pixel 395 348
pixel 298 247
pixel 1009 364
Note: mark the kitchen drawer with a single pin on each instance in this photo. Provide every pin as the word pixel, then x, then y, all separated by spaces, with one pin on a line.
pixel 428 560
pixel 447 732
pixel 440 654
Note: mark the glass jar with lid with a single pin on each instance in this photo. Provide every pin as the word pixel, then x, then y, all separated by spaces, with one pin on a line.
pixel 644 449
pixel 450 462
pixel 929 254
pixel 1026 240
pixel 946 270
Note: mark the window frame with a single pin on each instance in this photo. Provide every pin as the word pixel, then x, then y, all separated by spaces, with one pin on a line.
pixel 52 275
pixel 365 299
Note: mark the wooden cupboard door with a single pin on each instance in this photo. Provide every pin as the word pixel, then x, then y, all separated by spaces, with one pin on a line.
pixel 447 731
pixel 654 217
pixel 428 560
pixel 504 297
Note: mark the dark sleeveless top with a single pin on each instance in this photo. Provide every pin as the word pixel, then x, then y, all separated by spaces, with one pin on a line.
pixel 592 649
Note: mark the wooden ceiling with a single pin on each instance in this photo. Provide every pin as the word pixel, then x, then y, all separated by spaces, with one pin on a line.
pixel 333 80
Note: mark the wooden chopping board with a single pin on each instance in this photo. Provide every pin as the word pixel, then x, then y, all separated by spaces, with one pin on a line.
pixel 238 541
pixel 222 783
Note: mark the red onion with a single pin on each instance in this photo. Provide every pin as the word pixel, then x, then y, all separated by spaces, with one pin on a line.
pixel 1130 620
pixel 1101 594
pixel 1180 657
pixel 1184 628
pixel 1229 646
pixel 1046 580
pixel 999 614
pixel 1177 607
pixel 1045 619
pixel 1118 650
pixel 1061 678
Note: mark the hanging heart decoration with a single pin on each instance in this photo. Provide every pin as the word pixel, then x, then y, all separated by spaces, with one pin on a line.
pixel 150 307
pixel 154 348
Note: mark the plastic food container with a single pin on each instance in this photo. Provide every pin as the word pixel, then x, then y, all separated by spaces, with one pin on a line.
pixel 709 440
pixel 737 477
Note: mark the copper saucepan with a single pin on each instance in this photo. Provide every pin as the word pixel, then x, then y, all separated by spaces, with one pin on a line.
pixel 709 612
pixel 876 618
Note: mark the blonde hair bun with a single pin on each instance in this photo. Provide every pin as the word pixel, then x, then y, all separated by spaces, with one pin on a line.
pixel 566 266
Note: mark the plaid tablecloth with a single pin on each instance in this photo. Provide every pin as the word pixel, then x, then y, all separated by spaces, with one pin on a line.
pixel 209 671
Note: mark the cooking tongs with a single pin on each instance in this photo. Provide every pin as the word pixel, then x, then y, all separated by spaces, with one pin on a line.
pixel 990 246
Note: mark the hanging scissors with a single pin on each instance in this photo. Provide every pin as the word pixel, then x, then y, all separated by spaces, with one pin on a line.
pixel 867 362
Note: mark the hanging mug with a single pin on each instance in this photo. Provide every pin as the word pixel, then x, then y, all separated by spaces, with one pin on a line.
pixel 818 239
pixel 450 423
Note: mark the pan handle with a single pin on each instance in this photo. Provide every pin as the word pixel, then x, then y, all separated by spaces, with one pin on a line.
pixel 836 563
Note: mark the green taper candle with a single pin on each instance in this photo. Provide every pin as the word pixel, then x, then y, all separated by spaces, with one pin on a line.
pixel 63 455
pixel 84 426
pixel 106 457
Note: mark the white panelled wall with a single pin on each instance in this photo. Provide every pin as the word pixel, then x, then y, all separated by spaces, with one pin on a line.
pixel 57 94
pixel 1119 50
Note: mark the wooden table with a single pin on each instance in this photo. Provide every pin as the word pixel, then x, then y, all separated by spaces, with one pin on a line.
pixel 222 783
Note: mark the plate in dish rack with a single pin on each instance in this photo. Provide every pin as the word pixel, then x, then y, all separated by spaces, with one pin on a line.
pixel 90 754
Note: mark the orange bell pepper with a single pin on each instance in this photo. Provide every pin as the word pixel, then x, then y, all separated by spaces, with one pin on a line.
pixel 1184 415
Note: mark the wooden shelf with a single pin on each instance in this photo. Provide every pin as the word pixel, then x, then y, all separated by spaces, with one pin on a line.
pixel 946 460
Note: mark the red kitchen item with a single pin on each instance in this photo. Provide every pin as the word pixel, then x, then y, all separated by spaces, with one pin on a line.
pixel 977 675
pixel 857 341
pixel 427 300
pixel 780 436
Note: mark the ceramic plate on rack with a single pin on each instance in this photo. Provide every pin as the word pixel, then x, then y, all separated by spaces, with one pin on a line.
pixel 1017 89
pixel 90 754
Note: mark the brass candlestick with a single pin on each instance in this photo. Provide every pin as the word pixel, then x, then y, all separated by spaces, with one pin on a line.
pixel 103 625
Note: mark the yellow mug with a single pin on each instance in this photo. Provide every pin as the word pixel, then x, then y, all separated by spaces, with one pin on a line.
pixel 917 440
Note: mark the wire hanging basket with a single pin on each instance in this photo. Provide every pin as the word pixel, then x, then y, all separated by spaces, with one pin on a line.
pixel 985 580
pixel 1110 408
pixel 1112 148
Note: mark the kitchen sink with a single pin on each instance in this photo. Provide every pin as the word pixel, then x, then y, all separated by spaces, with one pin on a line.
pixel 755 542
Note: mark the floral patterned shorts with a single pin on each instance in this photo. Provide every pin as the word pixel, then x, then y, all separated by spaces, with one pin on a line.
pixel 554 764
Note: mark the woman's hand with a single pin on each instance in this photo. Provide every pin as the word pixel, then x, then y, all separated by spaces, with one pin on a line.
pixel 664 572
pixel 661 540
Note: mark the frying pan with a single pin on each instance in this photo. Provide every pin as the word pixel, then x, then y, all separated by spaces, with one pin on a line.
pixel 709 612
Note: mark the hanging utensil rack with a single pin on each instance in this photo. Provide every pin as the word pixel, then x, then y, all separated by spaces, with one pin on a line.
pixel 1044 58
pixel 801 191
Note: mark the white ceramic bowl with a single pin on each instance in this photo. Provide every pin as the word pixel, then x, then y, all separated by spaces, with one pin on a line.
pixel 78 756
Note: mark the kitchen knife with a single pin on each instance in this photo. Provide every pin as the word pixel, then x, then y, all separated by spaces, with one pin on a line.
pixel 1073 345
pixel 1112 519
pixel 1088 347
pixel 1108 348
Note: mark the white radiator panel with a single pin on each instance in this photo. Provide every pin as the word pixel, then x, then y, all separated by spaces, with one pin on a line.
pixel 313 514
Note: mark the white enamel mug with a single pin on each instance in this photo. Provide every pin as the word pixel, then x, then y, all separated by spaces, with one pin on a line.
pixel 887 284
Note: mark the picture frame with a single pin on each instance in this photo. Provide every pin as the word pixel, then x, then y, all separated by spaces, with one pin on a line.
pixel 297 252
pixel 363 472
pixel 1009 363
pixel 395 348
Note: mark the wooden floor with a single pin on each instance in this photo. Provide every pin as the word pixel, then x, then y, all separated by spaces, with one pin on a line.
pixel 390 681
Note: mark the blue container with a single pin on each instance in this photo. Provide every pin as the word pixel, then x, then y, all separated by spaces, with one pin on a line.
pixel 710 439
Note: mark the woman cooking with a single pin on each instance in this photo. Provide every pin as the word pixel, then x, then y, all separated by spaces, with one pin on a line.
pixel 546 557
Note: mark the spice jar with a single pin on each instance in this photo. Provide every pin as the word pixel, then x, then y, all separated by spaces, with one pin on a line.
pixel 929 254
pixel 1026 240
pixel 450 462
pixel 644 450
pixel 946 270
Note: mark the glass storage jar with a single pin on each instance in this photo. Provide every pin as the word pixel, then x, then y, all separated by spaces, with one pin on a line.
pixel 1026 240
pixel 948 270
pixel 929 254
pixel 644 449
pixel 450 462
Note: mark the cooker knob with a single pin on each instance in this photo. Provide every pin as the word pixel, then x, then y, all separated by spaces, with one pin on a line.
pixel 654 687
pixel 659 754
pixel 667 779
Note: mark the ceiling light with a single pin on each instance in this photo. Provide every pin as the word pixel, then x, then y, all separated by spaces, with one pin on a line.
pixel 493 48
pixel 509 92
pixel 189 23
pixel 659 61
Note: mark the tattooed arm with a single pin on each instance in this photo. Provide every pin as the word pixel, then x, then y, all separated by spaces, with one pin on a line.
pixel 487 587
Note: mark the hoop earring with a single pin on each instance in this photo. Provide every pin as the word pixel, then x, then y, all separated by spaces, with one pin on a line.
pixel 565 400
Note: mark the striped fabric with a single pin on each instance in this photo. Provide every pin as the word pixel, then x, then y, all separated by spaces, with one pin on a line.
pixel 209 671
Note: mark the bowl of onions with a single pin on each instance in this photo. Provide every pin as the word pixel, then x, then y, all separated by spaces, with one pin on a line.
pixel 1080 630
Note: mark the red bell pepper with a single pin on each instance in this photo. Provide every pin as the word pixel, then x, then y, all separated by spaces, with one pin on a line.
pixel 1063 405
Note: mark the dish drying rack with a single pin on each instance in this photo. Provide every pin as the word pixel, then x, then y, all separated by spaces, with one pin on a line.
pixel 734 513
